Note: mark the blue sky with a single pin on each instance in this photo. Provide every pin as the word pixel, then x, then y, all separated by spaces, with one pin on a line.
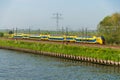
pixel 76 14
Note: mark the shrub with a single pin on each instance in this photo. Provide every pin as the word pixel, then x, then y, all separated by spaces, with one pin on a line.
pixel 1 34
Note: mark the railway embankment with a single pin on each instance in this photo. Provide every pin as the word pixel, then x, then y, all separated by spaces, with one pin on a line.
pixel 106 56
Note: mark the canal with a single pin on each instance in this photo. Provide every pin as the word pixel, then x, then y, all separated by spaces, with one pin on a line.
pixel 24 66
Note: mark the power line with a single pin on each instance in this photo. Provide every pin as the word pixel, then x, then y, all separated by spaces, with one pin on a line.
pixel 57 17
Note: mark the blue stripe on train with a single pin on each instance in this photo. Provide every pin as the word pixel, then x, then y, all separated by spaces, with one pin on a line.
pixel 56 39
pixel 84 40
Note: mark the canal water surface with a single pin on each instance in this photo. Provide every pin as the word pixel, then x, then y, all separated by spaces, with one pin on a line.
pixel 24 66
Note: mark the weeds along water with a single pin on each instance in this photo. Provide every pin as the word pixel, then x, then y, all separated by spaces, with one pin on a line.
pixel 92 52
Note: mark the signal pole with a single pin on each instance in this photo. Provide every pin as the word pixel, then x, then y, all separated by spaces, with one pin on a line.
pixel 29 30
pixel 13 30
pixel 16 31
pixel 39 31
pixel 66 31
pixel 86 33
pixel 57 17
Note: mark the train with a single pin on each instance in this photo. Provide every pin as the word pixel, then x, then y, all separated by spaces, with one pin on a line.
pixel 64 38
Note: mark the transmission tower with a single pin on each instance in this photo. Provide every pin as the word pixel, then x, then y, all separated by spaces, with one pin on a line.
pixel 57 17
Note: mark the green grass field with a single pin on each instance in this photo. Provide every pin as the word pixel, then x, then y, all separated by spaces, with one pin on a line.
pixel 93 52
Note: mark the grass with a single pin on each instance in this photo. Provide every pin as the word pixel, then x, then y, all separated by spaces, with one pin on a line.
pixel 93 52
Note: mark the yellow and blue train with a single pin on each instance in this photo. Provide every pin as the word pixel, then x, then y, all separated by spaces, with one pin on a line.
pixel 94 39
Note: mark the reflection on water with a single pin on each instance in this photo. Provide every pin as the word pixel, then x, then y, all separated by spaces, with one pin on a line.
pixel 22 66
pixel 109 69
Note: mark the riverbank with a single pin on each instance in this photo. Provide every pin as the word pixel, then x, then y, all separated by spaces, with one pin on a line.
pixel 106 56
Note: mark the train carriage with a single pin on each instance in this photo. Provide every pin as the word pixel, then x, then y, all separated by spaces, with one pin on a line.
pixel 70 38
pixel 44 37
pixel 56 38
pixel 86 39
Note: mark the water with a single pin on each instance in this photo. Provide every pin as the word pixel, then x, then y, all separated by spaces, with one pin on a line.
pixel 23 66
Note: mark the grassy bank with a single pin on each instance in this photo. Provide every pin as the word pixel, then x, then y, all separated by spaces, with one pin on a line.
pixel 98 53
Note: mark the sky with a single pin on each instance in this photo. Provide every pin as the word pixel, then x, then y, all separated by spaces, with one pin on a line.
pixel 39 14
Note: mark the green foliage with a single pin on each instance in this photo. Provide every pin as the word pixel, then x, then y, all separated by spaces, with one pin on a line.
pixel 11 32
pixel 98 53
pixel 109 27
pixel 1 34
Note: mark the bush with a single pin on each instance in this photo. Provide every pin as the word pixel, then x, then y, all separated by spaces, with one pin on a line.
pixel 1 34
pixel 11 32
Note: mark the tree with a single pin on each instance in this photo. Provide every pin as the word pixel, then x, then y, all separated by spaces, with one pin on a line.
pixel 109 27
pixel 1 34
pixel 11 32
